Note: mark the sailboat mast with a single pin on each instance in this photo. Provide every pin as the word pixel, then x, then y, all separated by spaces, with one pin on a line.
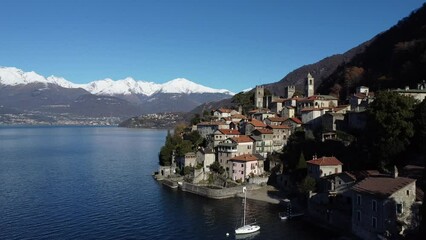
pixel 245 200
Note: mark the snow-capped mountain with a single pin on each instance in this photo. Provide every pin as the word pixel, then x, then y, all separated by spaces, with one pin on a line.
pixel 29 92
pixel 13 76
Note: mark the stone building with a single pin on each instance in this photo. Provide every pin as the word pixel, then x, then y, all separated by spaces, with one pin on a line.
pixel 383 206
pixel 324 166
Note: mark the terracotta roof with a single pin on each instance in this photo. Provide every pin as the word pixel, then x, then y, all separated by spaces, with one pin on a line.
pixel 238 116
pixel 382 186
pixel 264 131
pixel 242 139
pixel 257 123
pixel 278 126
pixel 294 119
pixel 245 158
pixel 325 161
pixel 229 131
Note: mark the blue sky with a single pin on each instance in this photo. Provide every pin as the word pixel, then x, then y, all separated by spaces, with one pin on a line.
pixel 232 44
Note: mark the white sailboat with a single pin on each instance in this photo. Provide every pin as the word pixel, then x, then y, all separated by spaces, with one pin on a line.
pixel 246 228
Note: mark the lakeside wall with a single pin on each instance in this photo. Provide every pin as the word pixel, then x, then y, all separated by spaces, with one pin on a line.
pixel 214 193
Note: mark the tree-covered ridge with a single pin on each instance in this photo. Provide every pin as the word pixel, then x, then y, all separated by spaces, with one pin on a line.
pixel 394 59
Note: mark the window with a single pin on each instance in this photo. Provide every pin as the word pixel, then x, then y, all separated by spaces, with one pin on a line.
pixel 358 199
pixel 408 192
pixel 242 165
pixel 374 222
pixel 374 205
pixel 358 216
pixel 399 208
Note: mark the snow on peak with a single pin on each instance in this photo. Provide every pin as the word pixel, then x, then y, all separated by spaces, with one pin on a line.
pixel 182 85
pixel 14 76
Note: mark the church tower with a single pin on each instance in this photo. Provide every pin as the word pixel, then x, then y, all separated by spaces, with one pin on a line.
pixel 258 96
pixel 309 87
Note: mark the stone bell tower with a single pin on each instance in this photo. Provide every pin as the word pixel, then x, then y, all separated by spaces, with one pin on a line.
pixel 309 87
pixel 258 96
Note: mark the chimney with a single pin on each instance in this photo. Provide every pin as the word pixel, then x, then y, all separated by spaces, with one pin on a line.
pixel 314 157
pixel 395 172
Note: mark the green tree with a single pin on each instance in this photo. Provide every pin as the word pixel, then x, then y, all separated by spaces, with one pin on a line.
pixel 165 156
pixel 245 99
pixel 183 147
pixel 307 184
pixel 301 164
pixel 216 167
pixel 390 126
pixel 420 126
pixel 196 119
pixel 195 138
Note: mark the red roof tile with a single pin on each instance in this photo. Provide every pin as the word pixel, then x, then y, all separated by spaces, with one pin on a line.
pixel 294 119
pixel 325 161
pixel 229 131
pixel 264 131
pixel 242 139
pixel 245 158
pixel 257 123
pixel 382 186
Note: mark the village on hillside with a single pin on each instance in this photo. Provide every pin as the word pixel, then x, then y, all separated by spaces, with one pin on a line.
pixel 229 148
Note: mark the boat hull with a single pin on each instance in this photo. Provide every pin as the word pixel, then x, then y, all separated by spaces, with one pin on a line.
pixel 247 229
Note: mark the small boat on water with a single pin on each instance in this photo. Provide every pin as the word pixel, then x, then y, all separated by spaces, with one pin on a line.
pixel 246 228
pixel 285 216
pixel 289 214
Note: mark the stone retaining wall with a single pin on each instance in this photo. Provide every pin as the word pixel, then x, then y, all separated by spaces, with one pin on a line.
pixel 211 192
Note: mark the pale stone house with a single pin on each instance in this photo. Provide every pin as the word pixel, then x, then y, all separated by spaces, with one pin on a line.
pixel 277 105
pixel 317 101
pixel 205 157
pixel 250 126
pixel 360 100
pixel 263 140
pixel 418 94
pixel 232 147
pixel 224 112
pixel 261 116
pixel 383 206
pixel 293 123
pixel 188 160
pixel 288 112
pixel 206 129
pixel 280 134
pixel 223 134
pixel 274 121
pixel 244 166
pixel 324 166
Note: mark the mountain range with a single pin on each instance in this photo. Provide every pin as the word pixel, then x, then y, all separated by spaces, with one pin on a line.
pixel 30 92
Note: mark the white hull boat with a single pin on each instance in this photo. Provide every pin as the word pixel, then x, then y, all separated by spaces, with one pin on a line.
pixel 246 228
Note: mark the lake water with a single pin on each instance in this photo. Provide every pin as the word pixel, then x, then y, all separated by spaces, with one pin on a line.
pixel 96 183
